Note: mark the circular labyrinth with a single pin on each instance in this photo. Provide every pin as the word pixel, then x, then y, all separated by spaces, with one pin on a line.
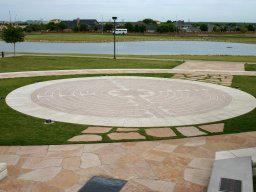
pixel 130 101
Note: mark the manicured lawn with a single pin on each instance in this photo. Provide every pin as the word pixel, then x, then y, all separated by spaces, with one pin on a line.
pixel 245 122
pixel 20 129
pixel 34 63
pixel 250 67
pixel 206 57
pixel 248 59
pixel 79 37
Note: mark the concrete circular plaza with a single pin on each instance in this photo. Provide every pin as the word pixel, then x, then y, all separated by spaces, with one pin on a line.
pixel 123 101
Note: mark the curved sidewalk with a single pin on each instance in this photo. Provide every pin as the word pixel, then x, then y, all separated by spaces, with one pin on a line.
pixel 119 71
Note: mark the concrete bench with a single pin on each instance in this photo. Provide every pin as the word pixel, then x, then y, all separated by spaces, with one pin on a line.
pixel 247 152
pixel 3 170
pixel 235 173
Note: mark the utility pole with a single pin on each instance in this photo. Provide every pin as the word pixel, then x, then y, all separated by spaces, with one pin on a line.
pixel 114 18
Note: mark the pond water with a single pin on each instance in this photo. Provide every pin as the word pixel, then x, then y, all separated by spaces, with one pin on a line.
pixel 137 48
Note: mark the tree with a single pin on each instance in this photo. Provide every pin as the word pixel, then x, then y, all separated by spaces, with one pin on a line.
pixel 83 27
pixel 13 35
pixel 129 27
pixel 204 27
pixel 108 27
pixel 149 21
pixel 250 27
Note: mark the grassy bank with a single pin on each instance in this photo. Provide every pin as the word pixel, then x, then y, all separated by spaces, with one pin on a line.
pixel 35 63
pixel 245 122
pixel 79 37
pixel 19 129
pixel 250 67
pixel 248 59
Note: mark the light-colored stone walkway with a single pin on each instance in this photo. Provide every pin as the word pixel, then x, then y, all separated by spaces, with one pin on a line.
pixel 190 131
pixel 212 65
pixel 127 129
pixel 95 130
pixel 121 71
pixel 85 138
pixel 125 136
pixel 213 128
pixel 160 132
pixel 171 165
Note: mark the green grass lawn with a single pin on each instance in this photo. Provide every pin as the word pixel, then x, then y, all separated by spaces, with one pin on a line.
pixel 245 122
pixel 80 37
pixel 19 129
pixel 248 59
pixel 35 63
pixel 250 67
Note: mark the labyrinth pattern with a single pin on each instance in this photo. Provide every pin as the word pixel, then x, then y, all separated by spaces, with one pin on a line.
pixel 130 101
pixel 131 98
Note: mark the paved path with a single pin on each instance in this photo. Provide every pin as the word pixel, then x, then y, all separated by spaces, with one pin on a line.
pixel 172 165
pixel 212 65
pixel 119 71
pixel 188 67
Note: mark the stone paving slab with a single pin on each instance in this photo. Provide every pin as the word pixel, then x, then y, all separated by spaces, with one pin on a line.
pixel 160 132
pixel 85 138
pixel 190 131
pixel 125 136
pixel 127 129
pixel 182 165
pixel 212 65
pixel 213 128
pixel 97 130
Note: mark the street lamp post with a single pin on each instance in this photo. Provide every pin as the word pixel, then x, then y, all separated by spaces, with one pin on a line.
pixel 114 18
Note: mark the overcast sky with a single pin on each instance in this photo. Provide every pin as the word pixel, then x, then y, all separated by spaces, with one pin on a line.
pixel 131 10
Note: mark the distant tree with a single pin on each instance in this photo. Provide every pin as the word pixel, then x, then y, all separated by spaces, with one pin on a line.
pixel 149 21
pixel 13 35
pixel 129 27
pixel 204 27
pixel 136 28
pixel 52 26
pixel 61 26
pixel 108 27
pixel 169 21
pixel 142 28
pixel 166 27
pixel 83 27
pixel 76 29
pixel 243 29
pixel 250 27
pixel 216 29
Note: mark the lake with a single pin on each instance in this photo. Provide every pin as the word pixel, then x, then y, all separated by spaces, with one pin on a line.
pixel 137 48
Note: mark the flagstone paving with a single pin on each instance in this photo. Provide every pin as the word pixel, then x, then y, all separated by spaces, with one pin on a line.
pixel 127 129
pixel 97 130
pixel 213 128
pixel 170 165
pixel 122 136
pixel 222 79
pixel 85 138
pixel 190 131
pixel 160 132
